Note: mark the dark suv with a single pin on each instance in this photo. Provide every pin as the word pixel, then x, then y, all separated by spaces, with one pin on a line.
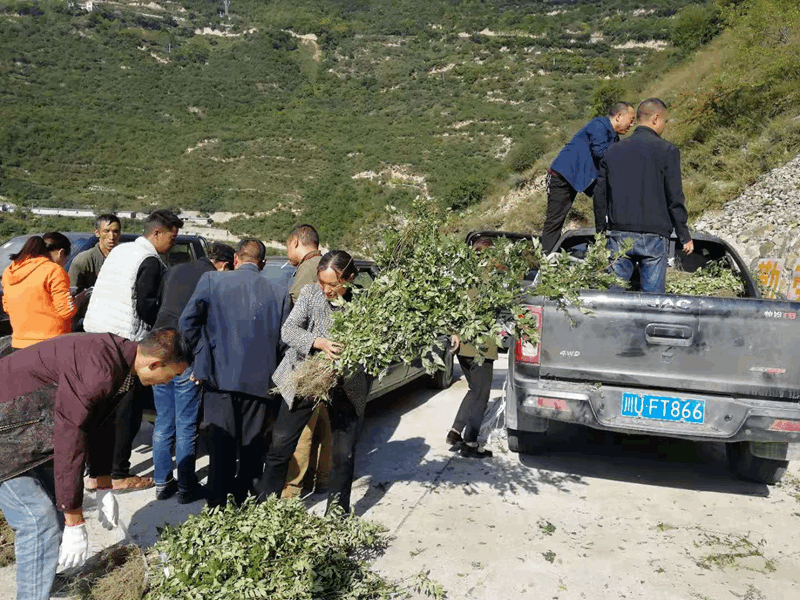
pixel 187 248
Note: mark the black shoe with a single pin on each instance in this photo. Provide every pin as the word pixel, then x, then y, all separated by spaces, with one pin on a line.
pixel 190 495
pixel 475 452
pixel 167 491
pixel 454 438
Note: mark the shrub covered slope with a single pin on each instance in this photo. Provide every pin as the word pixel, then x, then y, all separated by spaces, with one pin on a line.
pixel 132 105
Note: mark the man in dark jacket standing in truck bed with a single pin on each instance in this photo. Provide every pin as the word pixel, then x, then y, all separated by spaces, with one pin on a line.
pixel 639 197
pixel 57 406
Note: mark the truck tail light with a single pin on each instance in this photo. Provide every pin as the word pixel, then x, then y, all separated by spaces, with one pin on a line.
pixel 782 425
pixel 554 403
pixel 527 352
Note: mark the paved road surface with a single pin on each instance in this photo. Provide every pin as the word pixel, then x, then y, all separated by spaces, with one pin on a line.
pixel 590 517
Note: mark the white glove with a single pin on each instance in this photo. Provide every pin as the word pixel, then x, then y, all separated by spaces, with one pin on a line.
pixel 74 546
pixel 107 509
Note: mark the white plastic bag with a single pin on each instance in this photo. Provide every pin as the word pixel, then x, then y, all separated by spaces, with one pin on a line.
pixel 493 425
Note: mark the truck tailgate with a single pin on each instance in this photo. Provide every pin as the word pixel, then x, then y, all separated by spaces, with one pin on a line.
pixel 744 347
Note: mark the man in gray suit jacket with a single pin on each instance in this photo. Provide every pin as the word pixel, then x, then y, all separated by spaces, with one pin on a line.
pixel 233 322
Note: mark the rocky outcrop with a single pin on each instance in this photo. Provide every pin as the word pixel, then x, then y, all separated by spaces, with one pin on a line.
pixel 763 221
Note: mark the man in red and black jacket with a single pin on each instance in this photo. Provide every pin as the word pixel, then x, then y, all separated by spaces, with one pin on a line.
pixel 57 406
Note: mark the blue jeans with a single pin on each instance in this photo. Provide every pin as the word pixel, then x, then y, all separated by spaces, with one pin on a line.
pixel 649 252
pixel 177 406
pixel 28 504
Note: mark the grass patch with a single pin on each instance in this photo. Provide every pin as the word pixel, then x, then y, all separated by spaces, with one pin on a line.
pixel 546 527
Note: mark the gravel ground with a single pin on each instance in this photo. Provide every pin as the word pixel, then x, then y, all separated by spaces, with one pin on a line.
pixel 590 517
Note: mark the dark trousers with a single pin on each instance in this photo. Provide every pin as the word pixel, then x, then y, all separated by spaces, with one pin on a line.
pixel 238 427
pixel 473 406
pixel 560 196
pixel 345 428
pixel 128 420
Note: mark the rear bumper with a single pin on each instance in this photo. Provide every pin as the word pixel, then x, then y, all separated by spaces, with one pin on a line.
pixel 531 403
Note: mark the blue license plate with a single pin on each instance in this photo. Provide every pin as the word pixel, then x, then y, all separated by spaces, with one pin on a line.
pixel 663 408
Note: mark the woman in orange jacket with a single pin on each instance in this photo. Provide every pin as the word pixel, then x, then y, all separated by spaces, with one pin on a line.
pixel 36 292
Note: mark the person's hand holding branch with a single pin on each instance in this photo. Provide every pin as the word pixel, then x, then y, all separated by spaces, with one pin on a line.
pixel 330 348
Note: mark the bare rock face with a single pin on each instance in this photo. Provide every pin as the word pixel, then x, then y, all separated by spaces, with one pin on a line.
pixel 762 224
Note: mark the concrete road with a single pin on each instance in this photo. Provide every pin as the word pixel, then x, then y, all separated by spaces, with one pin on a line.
pixel 595 517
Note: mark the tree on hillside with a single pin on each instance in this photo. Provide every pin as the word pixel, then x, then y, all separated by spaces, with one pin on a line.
pixel 226 4
pixel 606 94
pixel 695 25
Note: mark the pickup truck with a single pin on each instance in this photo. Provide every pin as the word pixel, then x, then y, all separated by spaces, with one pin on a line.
pixel 689 367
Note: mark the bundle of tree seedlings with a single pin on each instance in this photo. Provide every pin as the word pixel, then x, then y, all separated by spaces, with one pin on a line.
pixel 432 285
pixel 715 278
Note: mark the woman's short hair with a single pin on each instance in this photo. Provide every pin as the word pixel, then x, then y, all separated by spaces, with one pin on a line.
pixel 341 262
pixel 221 253
pixel 57 241
pixel 482 243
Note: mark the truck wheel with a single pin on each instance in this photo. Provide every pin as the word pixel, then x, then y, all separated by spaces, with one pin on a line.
pixel 752 467
pixel 442 379
pixel 525 442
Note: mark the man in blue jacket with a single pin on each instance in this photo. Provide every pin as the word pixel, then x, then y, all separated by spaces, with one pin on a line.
pixel 639 197
pixel 233 322
pixel 575 168
pixel 177 403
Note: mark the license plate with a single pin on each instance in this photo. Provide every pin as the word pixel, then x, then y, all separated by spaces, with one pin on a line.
pixel 663 408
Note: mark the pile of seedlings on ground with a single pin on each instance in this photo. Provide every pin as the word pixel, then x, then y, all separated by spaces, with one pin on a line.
pixel 275 550
pixel 715 278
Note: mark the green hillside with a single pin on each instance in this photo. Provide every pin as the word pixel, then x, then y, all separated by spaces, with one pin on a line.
pixel 327 111
pixel 733 87
pixel 136 105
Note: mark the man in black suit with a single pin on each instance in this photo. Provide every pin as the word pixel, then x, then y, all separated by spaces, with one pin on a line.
pixel 639 196
pixel 178 402
pixel 233 322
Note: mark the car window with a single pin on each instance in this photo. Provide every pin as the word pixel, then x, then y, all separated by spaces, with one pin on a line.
pixel 364 279
pixel 180 253
pixel 279 273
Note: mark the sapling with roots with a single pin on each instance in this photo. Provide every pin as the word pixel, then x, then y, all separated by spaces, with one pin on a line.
pixel 432 285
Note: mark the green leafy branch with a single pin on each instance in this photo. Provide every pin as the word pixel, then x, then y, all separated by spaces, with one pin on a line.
pixel 432 286
pixel 563 277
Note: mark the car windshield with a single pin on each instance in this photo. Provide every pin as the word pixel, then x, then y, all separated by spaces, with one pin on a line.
pixel 279 272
